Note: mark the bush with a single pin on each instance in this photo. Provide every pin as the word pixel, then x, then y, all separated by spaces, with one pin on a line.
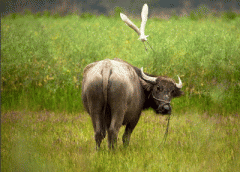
pixel 199 13
pixel 229 15
pixel 37 15
pixel 117 11
pixel 86 15
pixel 46 14
pixel 56 15
pixel 27 12
pixel 14 15
pixel 174 15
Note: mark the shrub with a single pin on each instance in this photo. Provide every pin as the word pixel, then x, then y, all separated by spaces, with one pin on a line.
pixel 174 15
pixel 14 15
pixel 199 13
pixel 117 11
pixel 27 12
pixel 229 15
pixel 37 15
pixel 46 14
pixel 86 15
pixel 56 15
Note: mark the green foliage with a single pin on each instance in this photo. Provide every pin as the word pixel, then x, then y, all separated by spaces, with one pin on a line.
pixel 229 15
pixel 117 11
pixel 70 13
pixel 199 13
pixel 38 15
pixel 27 12
pixel 174 15
pixel 42 67
pixel 14 15
pixel 86 15
pixel 47 141
pixel 56 15
pixel 46 14
pixel 42 64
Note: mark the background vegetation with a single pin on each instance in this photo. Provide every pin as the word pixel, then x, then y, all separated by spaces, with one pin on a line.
pixel 42 64
pixel 43 57
pixel 47 141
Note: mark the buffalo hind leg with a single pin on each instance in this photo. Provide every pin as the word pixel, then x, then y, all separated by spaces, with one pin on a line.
pixel 100 133
pixel 117 101
pixel 128 131
pixel 99 136
pixel 114 128
pixel 112 138
pixel 94 103
pixel 97 116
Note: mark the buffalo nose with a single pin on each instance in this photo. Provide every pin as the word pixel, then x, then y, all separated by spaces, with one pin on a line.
pixel 166 107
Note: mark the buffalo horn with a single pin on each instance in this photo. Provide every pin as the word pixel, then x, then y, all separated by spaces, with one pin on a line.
pixel 148 78
pixel 179 85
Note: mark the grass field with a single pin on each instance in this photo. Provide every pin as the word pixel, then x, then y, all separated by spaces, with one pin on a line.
pixel 42 64
pixel 43 123
pixel 47 141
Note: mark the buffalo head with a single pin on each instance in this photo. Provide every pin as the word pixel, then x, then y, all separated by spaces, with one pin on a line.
pixel 161 91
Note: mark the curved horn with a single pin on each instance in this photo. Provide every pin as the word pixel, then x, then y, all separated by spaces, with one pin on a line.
pixel 179 85
pixel 148 78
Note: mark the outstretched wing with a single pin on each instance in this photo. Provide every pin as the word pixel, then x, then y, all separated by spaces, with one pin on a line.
pixel 144 16
pixel 129 23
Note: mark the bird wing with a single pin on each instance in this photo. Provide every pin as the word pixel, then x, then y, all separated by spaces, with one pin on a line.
pixel 129 23
pixel 144 16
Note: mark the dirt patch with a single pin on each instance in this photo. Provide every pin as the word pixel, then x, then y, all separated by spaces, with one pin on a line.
pixel 18 116
pixel 12 117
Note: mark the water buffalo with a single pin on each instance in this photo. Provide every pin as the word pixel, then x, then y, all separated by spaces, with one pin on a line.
pixel 114 93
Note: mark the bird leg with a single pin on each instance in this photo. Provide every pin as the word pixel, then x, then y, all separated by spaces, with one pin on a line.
pixel 145 46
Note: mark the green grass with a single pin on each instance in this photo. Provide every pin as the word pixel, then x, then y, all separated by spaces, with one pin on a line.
pixel 43 58
pixel 46 141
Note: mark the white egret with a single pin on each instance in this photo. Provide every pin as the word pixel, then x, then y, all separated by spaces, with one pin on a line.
pixel 140 31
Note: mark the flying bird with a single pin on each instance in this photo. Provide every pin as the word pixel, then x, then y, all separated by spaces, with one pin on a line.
pixel 140 31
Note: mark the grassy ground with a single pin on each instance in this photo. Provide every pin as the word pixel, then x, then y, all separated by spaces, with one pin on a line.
pixel 47 141
pixel 42 63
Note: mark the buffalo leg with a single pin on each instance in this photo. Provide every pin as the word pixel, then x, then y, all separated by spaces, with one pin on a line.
pixel 95 108
pixel 128 131
pixel 117 116
pixel 99 130
pixel 118 103
pixel 113 131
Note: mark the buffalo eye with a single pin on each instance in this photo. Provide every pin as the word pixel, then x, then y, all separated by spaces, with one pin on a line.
pixel 173 92
pixel 159 88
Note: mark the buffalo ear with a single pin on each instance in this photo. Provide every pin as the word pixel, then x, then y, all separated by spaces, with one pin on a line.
pixel 146 85
pixel 178 92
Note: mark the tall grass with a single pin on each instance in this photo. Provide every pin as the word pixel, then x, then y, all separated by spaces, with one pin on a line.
pixel 43 59
pixel 42 62
pixel 46 141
